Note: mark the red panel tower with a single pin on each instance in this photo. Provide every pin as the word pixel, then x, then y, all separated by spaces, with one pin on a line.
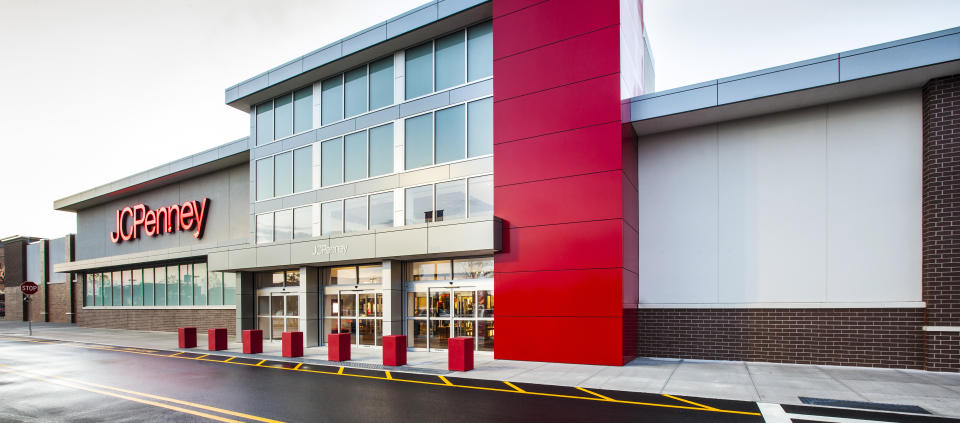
pixel 565 176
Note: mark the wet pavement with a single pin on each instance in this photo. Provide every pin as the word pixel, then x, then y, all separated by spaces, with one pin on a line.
pixel 44 380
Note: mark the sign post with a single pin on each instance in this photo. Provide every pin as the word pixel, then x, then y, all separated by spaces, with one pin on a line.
pixel 28 288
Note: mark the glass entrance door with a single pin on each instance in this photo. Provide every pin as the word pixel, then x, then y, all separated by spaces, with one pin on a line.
pixel 359 313
pixel 277 312
pixel 439 313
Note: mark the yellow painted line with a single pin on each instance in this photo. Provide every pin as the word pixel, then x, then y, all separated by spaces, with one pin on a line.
pixel 261 362
pixel 129 398
pixel 171 355
pixel 202 356
pixel 340 372
pixel 445 381
pixel 514 386
pixel 689 402
pixel 228 360
pixel 604 397
pixel 389 377
pixel 298 366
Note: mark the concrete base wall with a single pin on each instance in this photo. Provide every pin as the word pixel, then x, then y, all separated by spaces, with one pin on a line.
pixel 159 319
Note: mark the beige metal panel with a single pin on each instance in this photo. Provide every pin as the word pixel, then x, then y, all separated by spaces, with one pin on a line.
pixel 242 258
pixel 273 255
pixel 423 176
pixel 466 236
pixel 402 241
pixel 336 192
pixel 473 167
pixel 378 184
pixel 218 261
pixel 353 247
pixel 310 251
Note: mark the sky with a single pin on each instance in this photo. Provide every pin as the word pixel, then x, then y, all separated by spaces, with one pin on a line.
pixel 94 91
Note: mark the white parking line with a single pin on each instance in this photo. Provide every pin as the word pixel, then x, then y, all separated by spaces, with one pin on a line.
pixel 773 413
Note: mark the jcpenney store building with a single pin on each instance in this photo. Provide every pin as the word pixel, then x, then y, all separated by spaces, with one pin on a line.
pixel 504 170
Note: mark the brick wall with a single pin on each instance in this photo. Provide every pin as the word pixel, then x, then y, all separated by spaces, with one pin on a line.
pixel 163 320
pixel 887 337
pixel 12 302
pixel 37 305
pixel 941 219
pixel 58 297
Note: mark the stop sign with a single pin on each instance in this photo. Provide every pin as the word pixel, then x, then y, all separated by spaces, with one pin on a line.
pixel 29 288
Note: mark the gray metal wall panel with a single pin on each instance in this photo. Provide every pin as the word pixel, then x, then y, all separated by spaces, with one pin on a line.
pixel 921 53
pixel 424 104
pixel 478 89
pixel 299 140
pixel 232 94
pixel 285 72
pixel 57 254
pixel 697 98
pixel 266 150
pixel 35 262
pixel 268 205
pixel 366 39
pixel 256 84
pixel 337 129
pixel 299 199
pixel 763 85
pixel 449 7
pixel 411 20
pixel 378 117
pixel 322 57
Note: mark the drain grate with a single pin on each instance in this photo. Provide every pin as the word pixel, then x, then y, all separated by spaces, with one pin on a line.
pixel 901 408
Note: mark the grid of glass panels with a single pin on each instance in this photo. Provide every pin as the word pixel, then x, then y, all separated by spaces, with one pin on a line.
pixel 457 58
pixel 356 156
pixel 285 115
pixel 449 200
pixel 285 225
pixel 435 312
pixel 368 87
pixel 285 173
pixel 188 284
pixel 357 214
pixel 449 134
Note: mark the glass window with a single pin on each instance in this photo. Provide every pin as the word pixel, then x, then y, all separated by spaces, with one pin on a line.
pixel 303 222
pixel 381 150
pixel 331 97
pixel 137 278
pixel 303 169
pixel 481 196
pixel 106 288
pixel 419 141
pixel 381 83
pixel 451 60
pixel 264 178
pixel 148 286
pixel 473 268
pixel 264 228
pixel 355 91
pixel 343 275
pixel 418 76
pixel 283 174
pixel 160 285
pixel 88 289
pixel 215 288
pixel 282 116
pixel 200 284
pixel 451 201
pixel 436 270
pixel 419 205
pixel 173 286
pixel 381 210
pixel 127 288
pixel 355 156
pixel 186 284
pixel 265 123
pixel 480 127
pixel 303 109
pixel 450 133
pixel 117 283
pixel 370 274
pixel 292 278
pixel 229 288
pixel 480 51
pixel 355 214
pixel 331 218
pixel 331 158
pixel 283 225
pixel 97 290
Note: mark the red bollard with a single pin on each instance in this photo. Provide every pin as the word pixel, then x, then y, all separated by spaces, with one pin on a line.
pixel 338 347
pixel 460 354
pixel 187 337
pixel 292 344
pixel 217 339
pixel 394 350
pixel 252 341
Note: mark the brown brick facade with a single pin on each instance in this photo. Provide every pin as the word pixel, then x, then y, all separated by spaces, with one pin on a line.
pixel 58 299
pixel 162 320
pixel 941 219
pixel 886 337
pixel 13 303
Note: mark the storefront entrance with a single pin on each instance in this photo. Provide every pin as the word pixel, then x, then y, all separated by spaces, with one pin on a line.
pixel 277 313
pixel 437 313
pixel 357 312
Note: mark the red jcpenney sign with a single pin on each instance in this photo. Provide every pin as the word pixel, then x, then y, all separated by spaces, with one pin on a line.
pixel 178 217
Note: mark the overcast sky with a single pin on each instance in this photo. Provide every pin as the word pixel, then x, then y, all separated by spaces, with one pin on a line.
pixel 93 91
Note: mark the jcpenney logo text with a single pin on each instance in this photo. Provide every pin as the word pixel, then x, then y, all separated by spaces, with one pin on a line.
pixel 178 217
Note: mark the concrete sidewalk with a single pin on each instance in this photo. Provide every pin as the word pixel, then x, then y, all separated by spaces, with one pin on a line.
pixel 936 392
